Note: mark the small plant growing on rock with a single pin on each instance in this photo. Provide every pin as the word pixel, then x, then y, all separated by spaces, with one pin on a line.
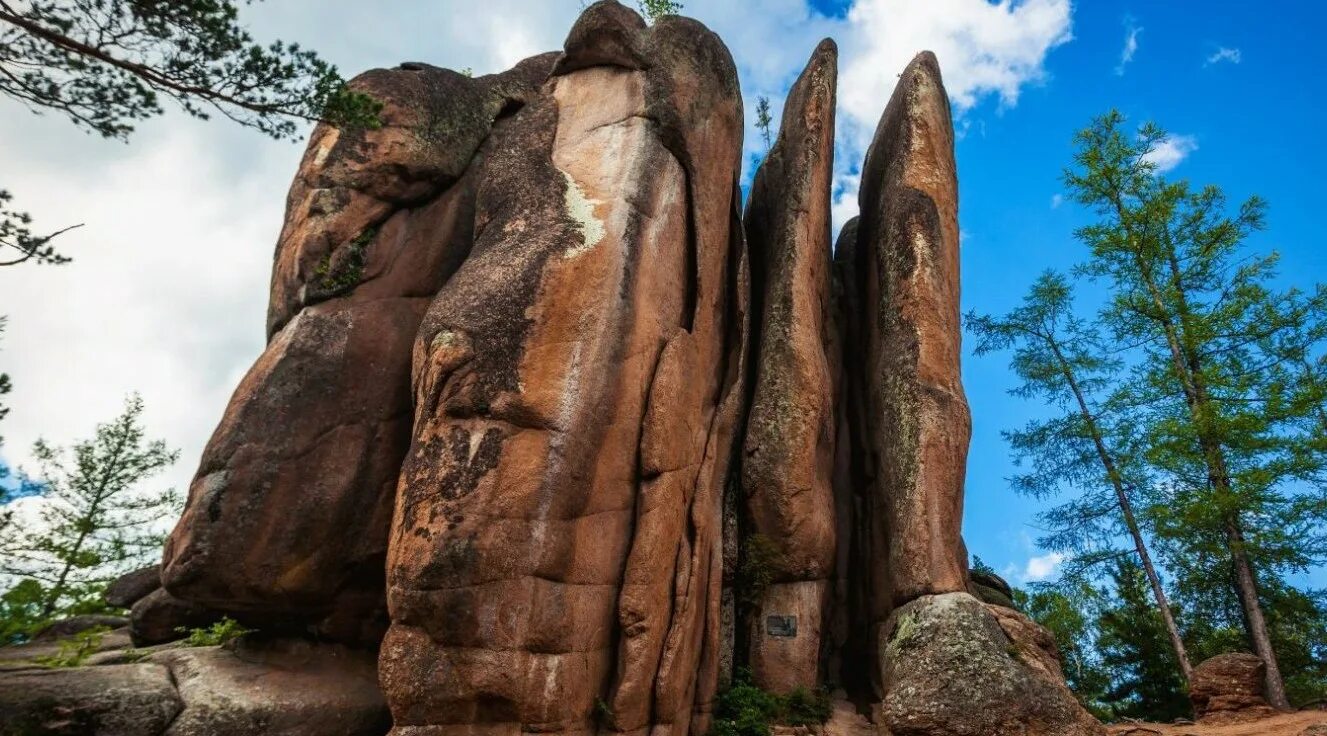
pixel 764 120
pixel 222 632
pixel 653 10
pixel 75 650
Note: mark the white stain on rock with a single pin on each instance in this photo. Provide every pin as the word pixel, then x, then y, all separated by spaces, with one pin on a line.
pixel 581 209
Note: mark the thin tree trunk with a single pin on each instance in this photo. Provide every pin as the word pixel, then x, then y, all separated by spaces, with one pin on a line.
pixel 1247 585
pixel 1130 521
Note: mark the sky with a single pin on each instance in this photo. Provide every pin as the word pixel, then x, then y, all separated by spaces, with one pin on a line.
pixel 168 290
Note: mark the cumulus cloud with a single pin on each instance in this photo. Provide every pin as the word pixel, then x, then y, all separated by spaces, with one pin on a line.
pixel 1041 567
pixel 1130 46
pixel 1170 152
pixel 1223 54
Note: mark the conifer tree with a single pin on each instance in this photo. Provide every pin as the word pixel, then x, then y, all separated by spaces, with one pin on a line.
pixel 1223 425
pixel 1134 644
pixel 96 521
pixel 1087 448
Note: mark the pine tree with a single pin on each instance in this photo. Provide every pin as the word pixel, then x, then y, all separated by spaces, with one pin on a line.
pixel 653 10
pixel 1222 425
pixel 1135 648
pixel 764 121
pixel 1088 446
pixel 107 65
pixel 96 522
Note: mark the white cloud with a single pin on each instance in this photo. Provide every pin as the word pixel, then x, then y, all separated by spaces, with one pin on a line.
pixel 1056 201
pixel 1130 46
pixel 1170 152
pixel 169 287
pixel 1041 567
pixel 1224 54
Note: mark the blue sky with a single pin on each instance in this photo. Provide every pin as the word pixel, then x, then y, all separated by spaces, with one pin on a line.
pixel 1256 125
pixel 168 290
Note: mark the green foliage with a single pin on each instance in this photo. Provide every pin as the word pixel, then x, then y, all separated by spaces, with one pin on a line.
pixel 743 709
pixel 1135 649
pixel 763 120
pixel 349 270
pixel 18 238
pixel 106 66
pixel 1065 611
pixel 755 571
pixel 75 650
pixel 21 612
pixel 979 565
pixel 222 632
pixel 96 523
pixel 653 10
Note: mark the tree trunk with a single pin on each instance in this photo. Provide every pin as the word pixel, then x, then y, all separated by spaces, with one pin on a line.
pixel 1126 509
pixel 1247 587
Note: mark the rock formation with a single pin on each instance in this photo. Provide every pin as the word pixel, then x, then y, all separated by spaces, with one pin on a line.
pixel 1228 688
pixel 788 457
pixel 549 424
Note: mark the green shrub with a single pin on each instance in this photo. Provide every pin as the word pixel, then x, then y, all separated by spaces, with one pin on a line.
pixel 743 709
pixel 75 650
pixel 221 632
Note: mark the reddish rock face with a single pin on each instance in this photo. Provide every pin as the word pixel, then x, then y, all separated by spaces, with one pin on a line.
pixel 1228 688
pixel 788 458
pixel 907 273
pixel 557 533
pixel 518 376
pixel 287 518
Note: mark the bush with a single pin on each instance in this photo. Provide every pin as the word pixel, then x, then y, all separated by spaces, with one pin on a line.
pixel 743 709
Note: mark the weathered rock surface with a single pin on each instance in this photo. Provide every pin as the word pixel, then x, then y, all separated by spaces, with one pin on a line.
pixel 907 267
pixel 287 518
pixel 990 588
pixel 115 700
pixel 788 457
pixel 132 587
pixel 281 688
pixel 1228 688
pixel 558 526
pixel 249 688
pixel 951 667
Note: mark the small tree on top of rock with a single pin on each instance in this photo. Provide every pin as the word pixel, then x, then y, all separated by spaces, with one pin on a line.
pixel 655 9
pixel 95 521
pixel 764 120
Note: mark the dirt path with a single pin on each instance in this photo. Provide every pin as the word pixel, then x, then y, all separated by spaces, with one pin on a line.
pixel 1291 724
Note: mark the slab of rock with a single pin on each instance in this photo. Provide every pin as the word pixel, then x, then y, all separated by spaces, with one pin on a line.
pixel 114 700
pixel 132 587
pixel 287 519
pixel 952 668
pixel 907 266
pixel 161 617
pixel 276 688
pixel 990 588
pixel 1228 688
pixel 557 538
pixel 788 457
pixel 74 624
pixel 30 655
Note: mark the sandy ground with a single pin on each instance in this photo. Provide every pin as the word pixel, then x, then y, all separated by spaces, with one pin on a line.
pixel 1291 724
